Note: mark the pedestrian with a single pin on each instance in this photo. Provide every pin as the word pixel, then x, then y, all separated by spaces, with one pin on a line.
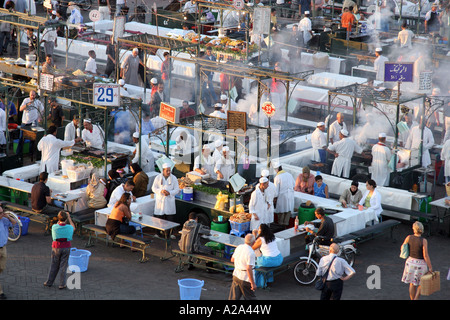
pixel 418 263
pixel 338 271
pixel 62 233
pixel 244 258
pixel 130 68
pixel 111 58
pixel 5 223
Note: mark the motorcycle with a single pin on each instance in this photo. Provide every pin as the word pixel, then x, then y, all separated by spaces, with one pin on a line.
pixel 305 270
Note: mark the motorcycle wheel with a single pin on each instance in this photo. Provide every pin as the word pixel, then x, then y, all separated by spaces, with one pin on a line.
pixel 304 272
pixel 86 5
pixel 349 256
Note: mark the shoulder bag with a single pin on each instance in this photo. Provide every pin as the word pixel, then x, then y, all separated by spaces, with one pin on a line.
pixel 404 252
pixel 320 283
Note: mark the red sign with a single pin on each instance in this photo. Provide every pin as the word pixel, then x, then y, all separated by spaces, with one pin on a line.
pixel 268 108
pixel 169 113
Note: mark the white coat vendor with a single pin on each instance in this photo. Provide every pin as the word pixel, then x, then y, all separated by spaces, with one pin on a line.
pixel 92 134
pixel 343 151
pixel 319 143
pixel 165 187
pixel 271 194
pixel 225 167
pixel 381 155
pixel 415 139
pixel 284 183
pixel 147 157
pixel 50 147
pixel 258 206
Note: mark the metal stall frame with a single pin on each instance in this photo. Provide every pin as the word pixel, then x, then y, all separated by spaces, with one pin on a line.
pixel 367 94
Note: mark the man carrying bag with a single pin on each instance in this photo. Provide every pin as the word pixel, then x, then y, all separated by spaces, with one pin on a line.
pixel 335 271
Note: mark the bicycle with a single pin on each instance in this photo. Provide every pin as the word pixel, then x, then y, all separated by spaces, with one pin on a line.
pixel 305 270
pixel 14 231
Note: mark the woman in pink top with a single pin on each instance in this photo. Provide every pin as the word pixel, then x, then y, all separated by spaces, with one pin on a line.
pixel 305 181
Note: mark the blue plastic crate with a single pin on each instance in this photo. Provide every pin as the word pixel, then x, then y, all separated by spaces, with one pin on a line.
pixel 237 227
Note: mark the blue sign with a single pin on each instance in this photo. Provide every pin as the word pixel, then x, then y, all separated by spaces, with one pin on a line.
pixel 399 72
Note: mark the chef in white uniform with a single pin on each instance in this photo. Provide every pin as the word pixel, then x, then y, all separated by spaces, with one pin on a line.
pixel 381 155
pixel 204 162
pixel 319 143
pixel 343 151
pixel 415 139
pixel 225 167
pixel 271 194
pixel 50 146
pixel 217 154
pixel 147 157
pixel 92 134
pixel 336 127
pixel 258 206
pixel 284 183
pixel 165 187
pixel 378 64
pixel 72 130
pixel 2 127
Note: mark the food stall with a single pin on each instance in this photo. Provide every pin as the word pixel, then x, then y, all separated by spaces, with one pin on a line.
pixel 388 108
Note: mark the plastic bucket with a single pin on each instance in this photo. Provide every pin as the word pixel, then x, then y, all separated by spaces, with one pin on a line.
pixel 79 260
pixel 306 214
pixel 25 223
pixel 190 289
pixel 188 194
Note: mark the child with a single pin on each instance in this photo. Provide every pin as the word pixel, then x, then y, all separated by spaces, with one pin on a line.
pixel 320 188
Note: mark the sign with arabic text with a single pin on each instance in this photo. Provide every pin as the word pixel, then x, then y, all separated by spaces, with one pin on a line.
pixel 399 72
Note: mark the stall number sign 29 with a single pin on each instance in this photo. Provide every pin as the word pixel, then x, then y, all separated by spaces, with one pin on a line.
pixel 106 94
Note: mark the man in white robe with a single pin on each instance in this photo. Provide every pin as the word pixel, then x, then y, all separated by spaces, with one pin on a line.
pixel 225 166
pixel 378 64
pixel 336 127
pixel 271 194
pixel 93 135
pixel 381 155
pixel 258 206
pixel 319 143
pixel 165 187
pixel 284 183
pixel 415 139
pixel 343 151
pixel 204 162
pixel 50 147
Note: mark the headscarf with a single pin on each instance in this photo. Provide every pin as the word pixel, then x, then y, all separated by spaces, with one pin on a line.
pixel 94 183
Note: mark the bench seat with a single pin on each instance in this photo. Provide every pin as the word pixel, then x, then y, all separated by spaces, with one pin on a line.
pixel 197 258
pixel 82 217
pixel 94 232
pixel 375 230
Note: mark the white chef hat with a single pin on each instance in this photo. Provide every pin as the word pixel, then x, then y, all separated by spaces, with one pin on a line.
pixel 344 132
pixel 307 12
pixel 87 120
pixel 226 149
pixel 275 164
pixel 165 165
pixel 223 97
pixel 319 124
pixel 218 143
pixel 382 135
pixel 136 135
pixel 54 12
pixel 263 180
pixel 154 81
pixel 121 82
pixel 378 49
pixel 218 105
pixel 205 146
pixel 264 173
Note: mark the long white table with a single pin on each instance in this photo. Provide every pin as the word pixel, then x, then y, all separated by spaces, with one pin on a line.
pixel 27 173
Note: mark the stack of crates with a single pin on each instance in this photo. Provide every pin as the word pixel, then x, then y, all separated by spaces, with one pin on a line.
pixel 240 229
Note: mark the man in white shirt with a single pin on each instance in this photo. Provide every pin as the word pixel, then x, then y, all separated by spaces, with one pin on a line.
pixel 270 193
pixel 343 151
pixel 405 36
pixel 339 271
pixel 165 187
pixel 227 103
pixel 93 135
pixel 91 65
pixel 117 193
pixel 336 127
pixel 415 140
pixel 225 167
pixel 72 131
pixel 305 26
pixel 381 155
pixel 49 37
pixel 2 129
pixel 32 110
pixel 50 147
pixel 204 162
pixel 258 206
pixel 319 143
pixel 378 64
pixel 218 113
pixel 284 183
pixel 217 154
pixel 244 259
